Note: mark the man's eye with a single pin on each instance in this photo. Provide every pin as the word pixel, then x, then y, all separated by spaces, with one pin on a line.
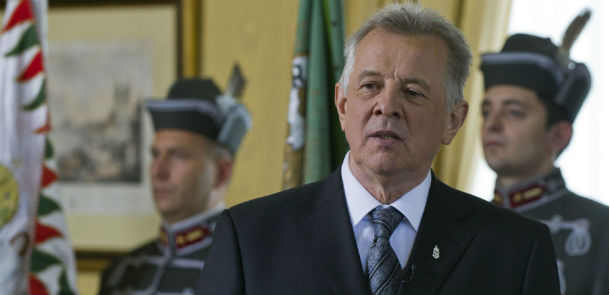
pixel 412 92
pixel 516 113
pixel 369 85
pixel 485 114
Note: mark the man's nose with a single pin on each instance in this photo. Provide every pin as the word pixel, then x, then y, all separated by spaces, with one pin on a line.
pixel 493 122
pixel 388 103
pixel 159 168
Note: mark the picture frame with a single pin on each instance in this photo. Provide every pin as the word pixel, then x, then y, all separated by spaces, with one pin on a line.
pixel 110 217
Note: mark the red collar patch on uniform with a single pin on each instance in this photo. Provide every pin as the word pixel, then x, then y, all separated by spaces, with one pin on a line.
pixel 526 195
pixel 186 237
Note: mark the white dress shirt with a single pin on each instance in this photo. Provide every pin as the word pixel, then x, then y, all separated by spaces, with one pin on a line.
pixel 360 202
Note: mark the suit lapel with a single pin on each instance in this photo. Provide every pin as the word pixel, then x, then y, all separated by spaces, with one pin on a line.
pixel 328 237
pixel 439 243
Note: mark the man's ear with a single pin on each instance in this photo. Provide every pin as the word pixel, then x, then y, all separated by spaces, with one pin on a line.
pixel 340 100
pixel 224 170
pixel 560 135
pixel 455 120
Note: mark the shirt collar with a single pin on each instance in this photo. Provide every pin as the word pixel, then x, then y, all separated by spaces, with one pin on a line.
pixel 360 202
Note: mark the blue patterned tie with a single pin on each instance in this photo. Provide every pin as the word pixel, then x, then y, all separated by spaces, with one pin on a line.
pixel 382 264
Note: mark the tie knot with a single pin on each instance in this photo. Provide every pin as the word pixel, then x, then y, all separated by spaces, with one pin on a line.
pixel 385 221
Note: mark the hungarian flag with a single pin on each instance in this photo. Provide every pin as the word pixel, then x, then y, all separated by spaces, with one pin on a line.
pixel 315 143
pixel 35 253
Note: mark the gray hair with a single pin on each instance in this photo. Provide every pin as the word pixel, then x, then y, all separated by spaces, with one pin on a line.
pixel 411 20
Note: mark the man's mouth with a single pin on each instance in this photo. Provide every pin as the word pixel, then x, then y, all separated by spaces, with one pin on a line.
pixel 492 143
pixel 159 191
pixel 386 135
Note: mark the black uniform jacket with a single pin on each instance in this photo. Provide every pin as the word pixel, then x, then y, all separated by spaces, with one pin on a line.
pixel 301 241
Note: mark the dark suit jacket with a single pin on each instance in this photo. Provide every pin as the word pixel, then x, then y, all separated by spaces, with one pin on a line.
pixel 301 241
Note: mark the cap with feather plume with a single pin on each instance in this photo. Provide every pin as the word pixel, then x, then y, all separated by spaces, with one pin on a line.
pixel 196 105
pixel 538 64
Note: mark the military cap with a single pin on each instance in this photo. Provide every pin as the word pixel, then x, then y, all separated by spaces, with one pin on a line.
pixel 538 64
pixel 197 105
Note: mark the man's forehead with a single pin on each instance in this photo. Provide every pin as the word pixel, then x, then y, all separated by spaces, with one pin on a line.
pixel 382 41
pixel 510 94
pixel 178 137
pixel 412 57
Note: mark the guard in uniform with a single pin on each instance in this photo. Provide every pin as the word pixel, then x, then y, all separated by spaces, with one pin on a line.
pixel 197 132
pixel 533 94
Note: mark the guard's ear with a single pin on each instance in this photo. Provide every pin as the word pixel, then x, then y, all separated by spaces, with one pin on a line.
pixel 455 120
pixel 340 100
pixel 224 170
pixel 559 136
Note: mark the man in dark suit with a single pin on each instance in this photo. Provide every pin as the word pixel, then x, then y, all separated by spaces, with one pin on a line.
pixel 382 223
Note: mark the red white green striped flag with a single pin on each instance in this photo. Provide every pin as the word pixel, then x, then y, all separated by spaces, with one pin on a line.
pixel 35 251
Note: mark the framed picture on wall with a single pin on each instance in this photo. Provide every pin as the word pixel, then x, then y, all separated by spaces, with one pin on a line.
pixel 105 58
pixel 96 89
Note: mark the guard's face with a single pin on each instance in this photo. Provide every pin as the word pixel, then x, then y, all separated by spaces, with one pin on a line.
pixel 182 173
pixel 394 115
pixel 514 137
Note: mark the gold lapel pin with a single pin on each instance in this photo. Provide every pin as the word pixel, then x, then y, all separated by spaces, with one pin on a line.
pixel 436 253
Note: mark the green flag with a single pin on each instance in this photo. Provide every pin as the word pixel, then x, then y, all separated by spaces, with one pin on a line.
pixel 315 144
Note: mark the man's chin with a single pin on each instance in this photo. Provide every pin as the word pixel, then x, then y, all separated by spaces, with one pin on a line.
pixel 163 205
pixel 496 164
pixel 385 166
pixel 381 163
pixel 494 157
